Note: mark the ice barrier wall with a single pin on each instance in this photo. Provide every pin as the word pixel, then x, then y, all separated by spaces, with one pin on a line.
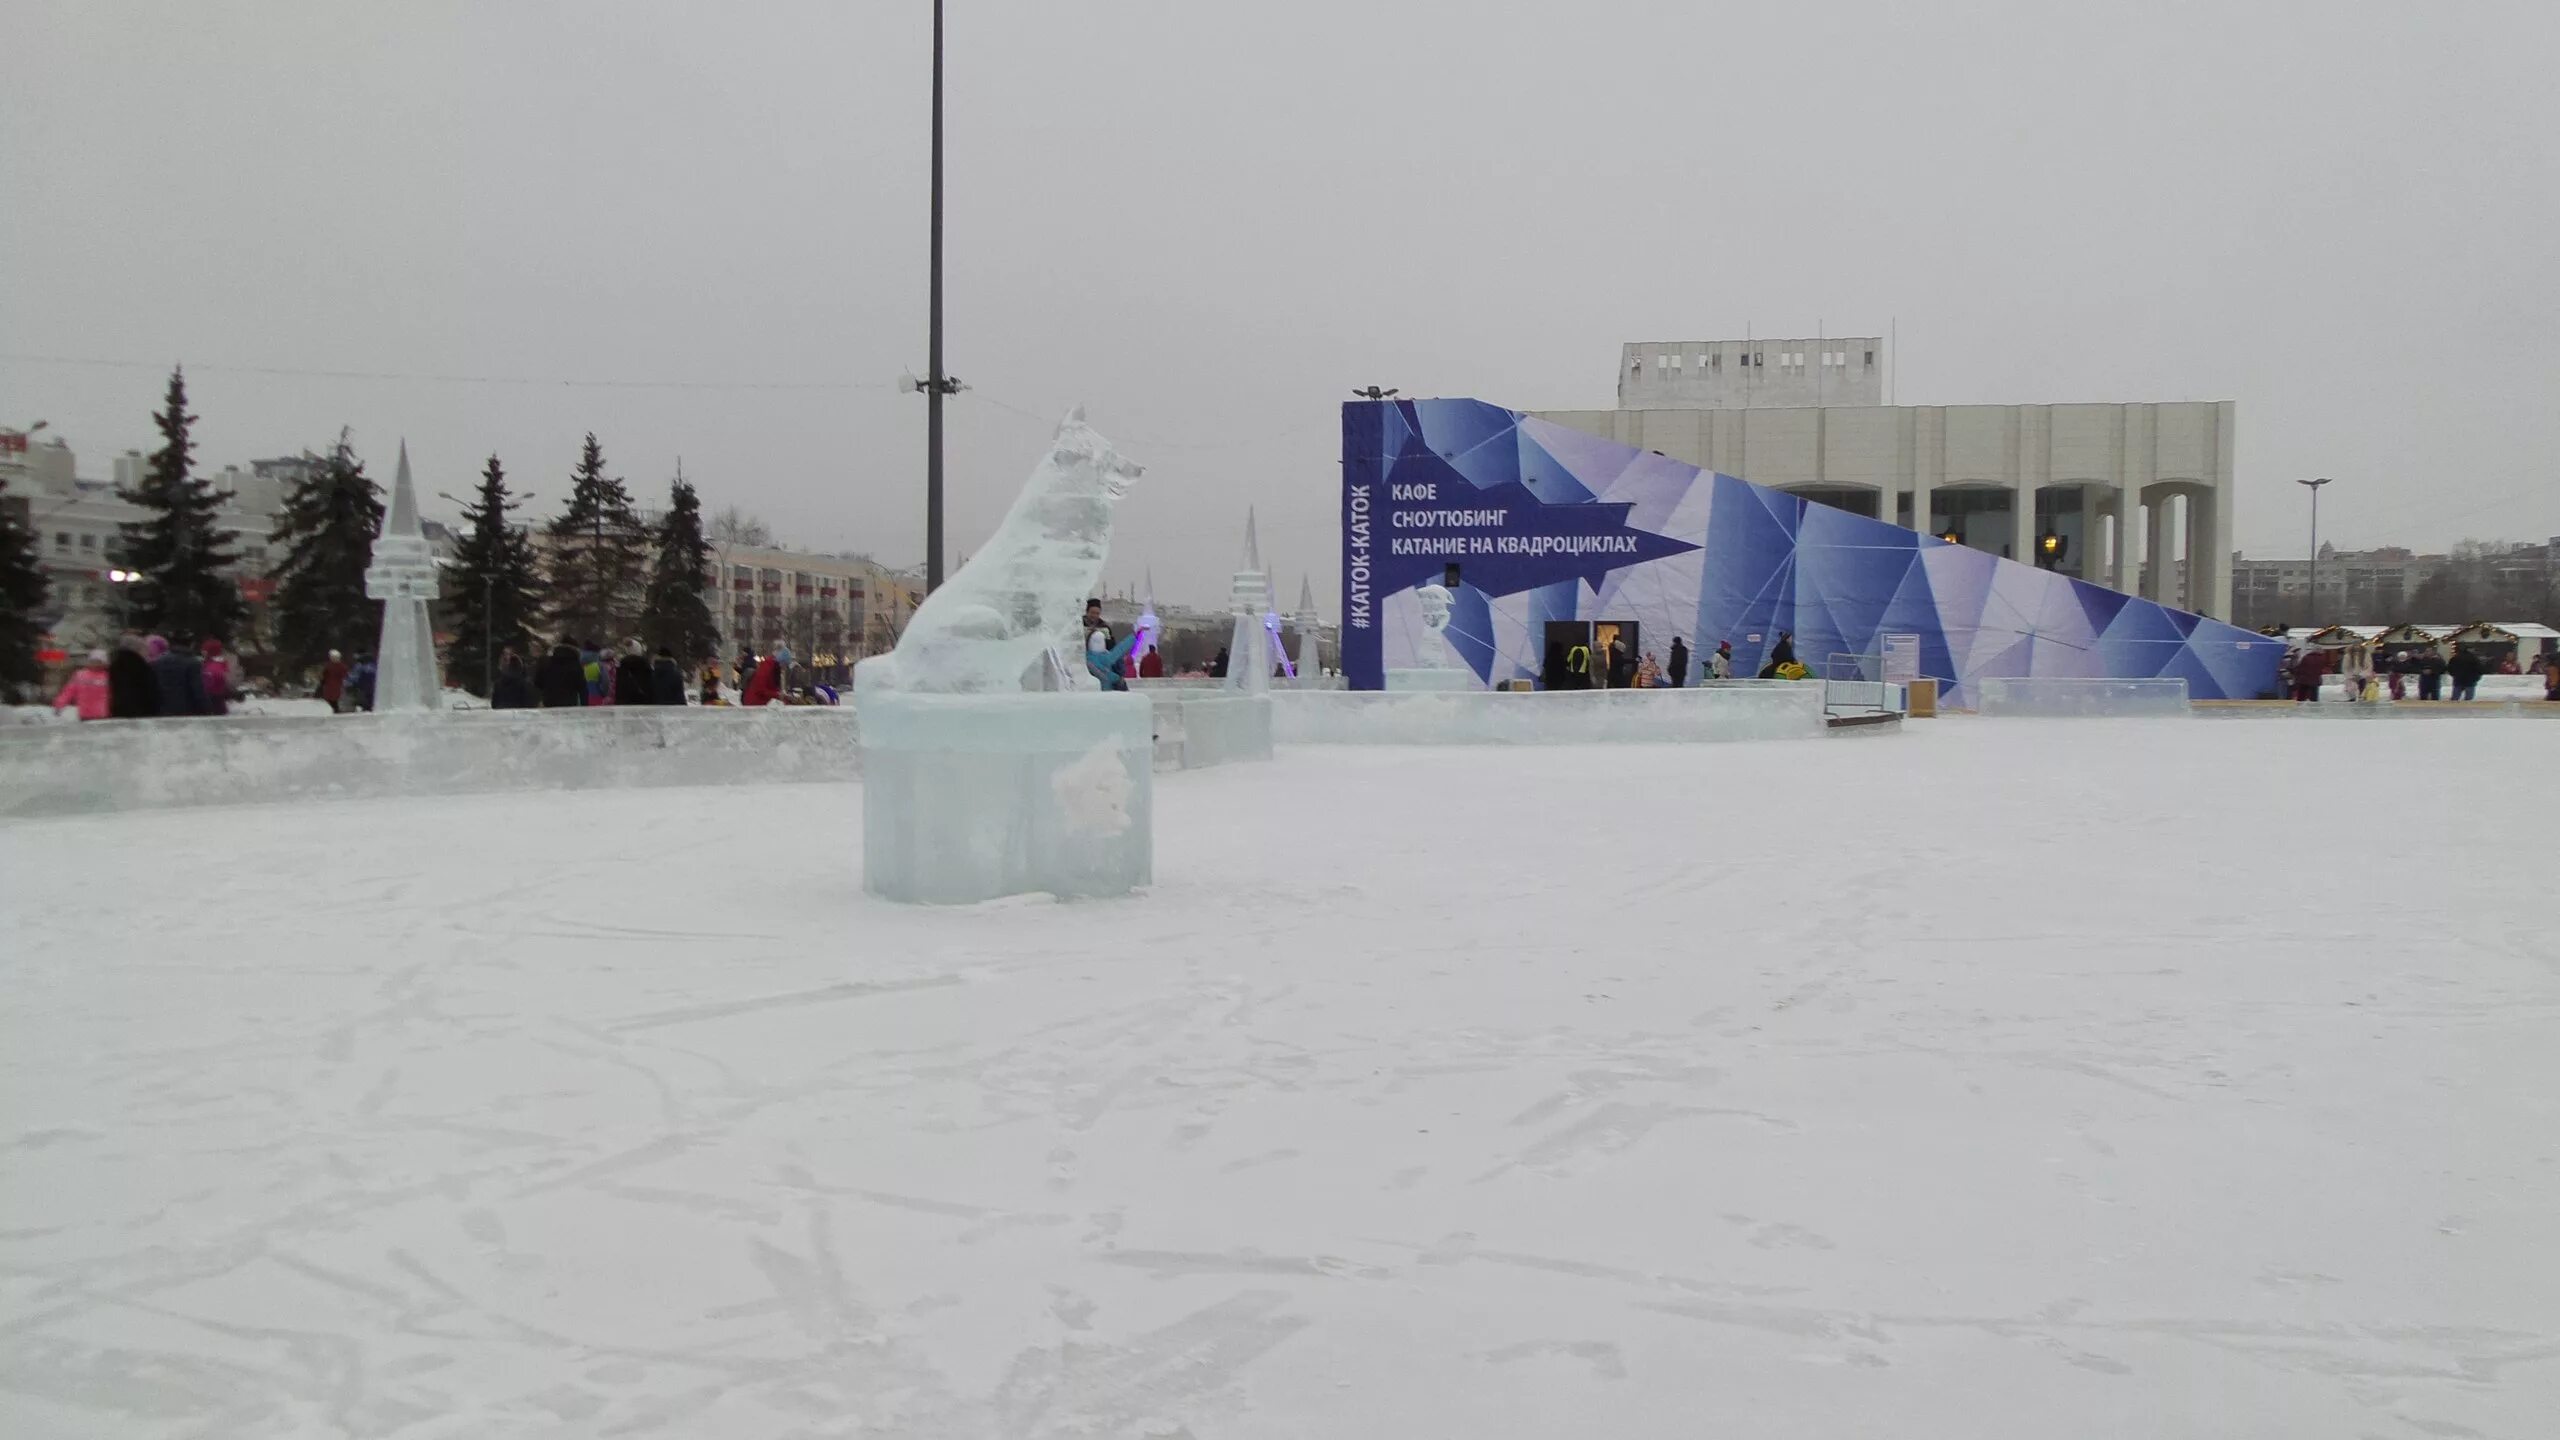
pixel 1775 711
pixel 151 764
pixel 68 769
pixel 2055 698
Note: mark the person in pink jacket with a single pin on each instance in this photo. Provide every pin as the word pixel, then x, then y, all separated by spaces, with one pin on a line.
pixel 86 690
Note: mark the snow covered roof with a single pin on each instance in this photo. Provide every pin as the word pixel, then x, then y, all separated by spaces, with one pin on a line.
pixel 2507 630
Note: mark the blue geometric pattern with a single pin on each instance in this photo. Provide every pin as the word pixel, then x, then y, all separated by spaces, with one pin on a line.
pixel 1548 523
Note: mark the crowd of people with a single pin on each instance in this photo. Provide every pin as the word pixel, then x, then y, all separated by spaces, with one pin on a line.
pixel 145 677
pixel 1613 666
pixel 579 674
pixel 2423 674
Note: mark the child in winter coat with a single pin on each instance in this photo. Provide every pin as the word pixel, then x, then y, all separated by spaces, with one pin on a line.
pixel 217 678
pixel 86 690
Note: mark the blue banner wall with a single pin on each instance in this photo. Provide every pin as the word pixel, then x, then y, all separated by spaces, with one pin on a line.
pixel 1547 523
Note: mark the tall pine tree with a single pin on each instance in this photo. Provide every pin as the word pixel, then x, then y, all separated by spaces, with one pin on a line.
pixel 178 547
pixel 495 589
pixel 599 555
pixel 326 529
pixel 22 596
pixel 678 615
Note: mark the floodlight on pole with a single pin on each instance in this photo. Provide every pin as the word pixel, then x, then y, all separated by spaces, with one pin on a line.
pixel 2314 486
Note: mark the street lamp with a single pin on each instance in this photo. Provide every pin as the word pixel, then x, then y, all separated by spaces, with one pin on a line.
pixel 120 579
pixel 1952 535
pixel 2054 546
pixel 2314 486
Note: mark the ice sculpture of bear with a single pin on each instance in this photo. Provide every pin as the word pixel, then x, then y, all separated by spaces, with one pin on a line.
pixel 974 787
pixel 1022 592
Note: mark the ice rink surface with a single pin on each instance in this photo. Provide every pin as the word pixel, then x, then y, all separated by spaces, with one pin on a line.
pixel 1998 1079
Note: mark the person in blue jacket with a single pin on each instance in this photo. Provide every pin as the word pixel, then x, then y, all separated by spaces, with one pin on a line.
pixel 1103 658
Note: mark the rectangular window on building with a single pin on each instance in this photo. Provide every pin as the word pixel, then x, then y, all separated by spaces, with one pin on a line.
pixel 62 540
pixel 88 542
pixel 1675 362
pixel 1871 359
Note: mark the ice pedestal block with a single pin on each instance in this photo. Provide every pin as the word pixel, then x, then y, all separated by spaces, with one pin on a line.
pixel 2071 697
pixel 1432 679
pixel 972 797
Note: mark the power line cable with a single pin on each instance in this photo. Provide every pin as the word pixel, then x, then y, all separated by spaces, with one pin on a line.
pixel 566 382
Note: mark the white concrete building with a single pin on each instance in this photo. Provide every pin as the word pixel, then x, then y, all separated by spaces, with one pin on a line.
pixel 2136 497
pixel 75 524
pixel 832 610
pixel 1751 374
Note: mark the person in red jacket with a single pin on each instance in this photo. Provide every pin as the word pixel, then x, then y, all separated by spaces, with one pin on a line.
pixel 2306 676
pixel 217 677
pixel 333 680
pixel 765 685
pixel 86 691
pixel 1152 668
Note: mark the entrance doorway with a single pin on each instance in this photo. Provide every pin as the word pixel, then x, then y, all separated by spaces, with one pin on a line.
pixel 1563 636
pixel 1624 632
pixel 1556 671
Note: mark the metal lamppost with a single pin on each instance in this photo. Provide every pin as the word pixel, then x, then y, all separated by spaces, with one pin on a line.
pixel 935 384
pixel 2314 485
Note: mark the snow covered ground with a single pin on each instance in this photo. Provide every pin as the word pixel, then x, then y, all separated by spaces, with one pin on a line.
pixel 1998 1079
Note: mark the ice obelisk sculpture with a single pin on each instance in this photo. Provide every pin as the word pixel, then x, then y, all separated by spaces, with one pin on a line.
pixel 1249 597
pixel 403 577
pixel 974 787
pixel 1310 652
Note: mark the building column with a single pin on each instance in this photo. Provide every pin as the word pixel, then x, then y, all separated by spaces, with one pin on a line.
pixel 1928 466
pixel 2199 553
pixel 2022 523
pixel 1889 498
pixel 2155 549
pixel 2128 556
pixel 2085 548
pixel 2216 599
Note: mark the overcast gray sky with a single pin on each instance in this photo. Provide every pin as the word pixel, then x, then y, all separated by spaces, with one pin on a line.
pixel 1209 220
